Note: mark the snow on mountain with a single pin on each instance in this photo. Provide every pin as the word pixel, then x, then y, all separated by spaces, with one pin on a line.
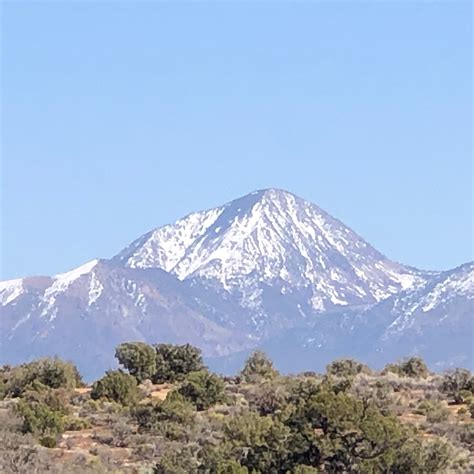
pixel 266 269
pixel 84 314
pixel 272 237
pixel 415 307
pixel 10 290
pixel 61 283
pixel 434 321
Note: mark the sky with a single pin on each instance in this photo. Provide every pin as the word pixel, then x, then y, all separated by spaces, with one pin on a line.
pixel 121 117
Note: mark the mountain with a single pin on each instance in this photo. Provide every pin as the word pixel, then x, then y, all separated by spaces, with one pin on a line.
pixel 84 314
pixel 434 320
pixel 257 270
pixel 271 250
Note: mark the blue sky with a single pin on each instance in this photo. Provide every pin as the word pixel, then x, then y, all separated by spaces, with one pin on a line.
pixel 120 117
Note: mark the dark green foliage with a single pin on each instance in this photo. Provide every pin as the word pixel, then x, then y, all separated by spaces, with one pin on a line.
pixel 118 387
pixel 352 433
pixel 39 419
pixel 258 367
pixel 57 400
pixel 458 384
pixel 47 372
pixel 344 421
pixel 168 418
pixel 202 389
pixel 174 362
pixel 258 443
pixel 413 367
pixel 138 358
pixel 177 461
pixel 413 456
pixel 346 368
pixel 48 441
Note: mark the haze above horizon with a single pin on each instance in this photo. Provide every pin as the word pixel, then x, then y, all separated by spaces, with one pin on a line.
pixel 119 118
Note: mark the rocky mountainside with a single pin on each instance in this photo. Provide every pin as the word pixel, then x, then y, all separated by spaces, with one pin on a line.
pixel 261 268
pixel 434 321
pixel 271 250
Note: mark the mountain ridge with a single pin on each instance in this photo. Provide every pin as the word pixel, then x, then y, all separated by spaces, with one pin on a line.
pixel 227 279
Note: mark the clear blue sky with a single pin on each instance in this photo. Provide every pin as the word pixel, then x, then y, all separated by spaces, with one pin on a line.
pixel 119 117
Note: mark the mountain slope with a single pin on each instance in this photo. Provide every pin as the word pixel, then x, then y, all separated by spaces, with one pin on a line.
pixel 273 238
pixel 84 314
pixel 268 268
pixel 435 321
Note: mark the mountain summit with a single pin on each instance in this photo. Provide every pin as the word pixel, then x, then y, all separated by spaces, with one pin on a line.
pixel 272 238
pixel 228 279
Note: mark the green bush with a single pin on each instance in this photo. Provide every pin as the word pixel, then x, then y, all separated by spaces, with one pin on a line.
pixel 174 362
pixel 438 414
pixel 47 372
pixel 346 368
pixel 118 387
pixel 258 367
pixel 168 418
pixel 202 389
pixel 268 398
pixel 177 461
pixel 259 443
pixel 39 419
pixel 138 358
pixel 57 400
pixel 417 457
pixel 458 384
pixel 413 367
pixel 76 424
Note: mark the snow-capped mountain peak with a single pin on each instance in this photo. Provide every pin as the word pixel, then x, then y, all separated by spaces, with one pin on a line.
pixel 233 278
pixel 272 237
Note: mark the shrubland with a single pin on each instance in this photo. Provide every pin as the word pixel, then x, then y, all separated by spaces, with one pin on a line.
pixel 163 411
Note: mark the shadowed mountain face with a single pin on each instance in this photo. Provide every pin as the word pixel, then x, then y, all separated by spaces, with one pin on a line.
pixel 267 269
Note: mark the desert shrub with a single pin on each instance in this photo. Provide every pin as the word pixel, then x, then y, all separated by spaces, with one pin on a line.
pixel 168 418
pixel 121 433
pixel 174 362
pixel 47 372
pixel 355 435
pixel 435 412
pixel 258 443
pixel 203 389
pixel 458 384
pixel 268 398
pixel 423 408
pixel 415 456
pixel 177 460
pixel 48 441
pixel 72 423
pixel 39 419
pixel 436 456
pixel 346 368
pixel 337 384
pixel 138 358
pixel 376 391
pixel 3 390
pixel 438 414
pixel 258 367
pixel 414 367
pixel 57 400
pixel 116 386
pixel 303 469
